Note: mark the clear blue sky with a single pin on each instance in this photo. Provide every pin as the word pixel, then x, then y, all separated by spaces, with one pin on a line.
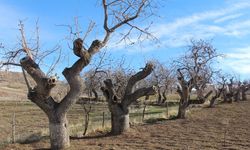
pixel 226 22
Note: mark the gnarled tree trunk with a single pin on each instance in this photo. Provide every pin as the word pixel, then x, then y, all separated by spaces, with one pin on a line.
pixel 41 93
pixel 119 119
pixel 119 107
pixel 59 133
pixel 200 96
pixel 159 99
pixel 184 93
pixel 218 93
pixel 182 110
pixel 244 88
pixel 164 97
pixel 243 95
pixel 95 94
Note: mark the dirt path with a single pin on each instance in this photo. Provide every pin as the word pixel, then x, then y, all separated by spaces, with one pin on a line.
pixel 225 127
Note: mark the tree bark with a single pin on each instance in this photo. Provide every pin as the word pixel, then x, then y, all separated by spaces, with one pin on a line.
pixel 182 111
pixel 184 101
pixel 119 107
pixel 164 97
pixel 212 101
pixel 119 120
pixel 184 93
pixel 244 89
pixel 244 96
pixel 41 93
pixel 224 96
pixel 95 94
pixel 59 134
pixel 237 96
pixel 159 96
pixel 200 96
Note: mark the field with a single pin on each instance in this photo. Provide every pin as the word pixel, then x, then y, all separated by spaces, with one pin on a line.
pixel 31 122
pixel 223 127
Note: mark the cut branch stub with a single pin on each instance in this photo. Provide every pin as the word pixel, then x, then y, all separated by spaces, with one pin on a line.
pixel 138 94
pixel 77 47
pixel 95 47
pixel 138 76
pixel 44 84
pixel 111 95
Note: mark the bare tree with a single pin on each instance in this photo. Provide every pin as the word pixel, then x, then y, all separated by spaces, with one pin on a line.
pixel 162 78
pixel 95 76
pixel 184 90
pixel 237 89
pixel 244 88
pixel 119 105
pixel 218 91
pixel 197 65
pixel 231 91
pixel 86 117
pixel 117 13
pixel 194 71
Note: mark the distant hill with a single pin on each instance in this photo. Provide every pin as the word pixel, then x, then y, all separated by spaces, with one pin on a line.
pixel 13 87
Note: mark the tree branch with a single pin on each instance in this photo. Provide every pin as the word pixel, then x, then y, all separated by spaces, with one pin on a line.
pixel 41 93
pixel 72 74
pixel 138 94
pixel 137 77
pixel 9 63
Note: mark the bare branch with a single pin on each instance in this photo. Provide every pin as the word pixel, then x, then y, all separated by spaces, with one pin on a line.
pixel 90 28
pixel 24 44
pixel 14 64
pixel 139 93
pixel 138 76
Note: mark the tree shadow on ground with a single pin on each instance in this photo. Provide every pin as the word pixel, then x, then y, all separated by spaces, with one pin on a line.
pixel 97 136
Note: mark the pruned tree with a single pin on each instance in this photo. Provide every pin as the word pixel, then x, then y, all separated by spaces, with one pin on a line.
pixel 244 88
pixel 117 14
pixel 119 105
pixel 237 89
pixel 183 89
pixel 218 91
pixel 197 65
pixel 162 78
pixel 232 91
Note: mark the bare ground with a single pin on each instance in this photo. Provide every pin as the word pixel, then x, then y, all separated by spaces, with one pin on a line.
pixel 225 127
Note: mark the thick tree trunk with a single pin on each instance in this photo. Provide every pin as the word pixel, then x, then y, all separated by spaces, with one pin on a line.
pixel 159 97
pixel 200 96
pixel 244 96
pixel 95 94
pixel 59 134
pixel 212 101
pixel 237 96
pixel 230 98
pixel 225 97
pixel 119 120
pixel 119 107
pixel 164 97
pixel 244 89
pixel 182 111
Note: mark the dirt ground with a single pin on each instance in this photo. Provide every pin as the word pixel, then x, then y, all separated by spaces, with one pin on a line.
pixel 225 127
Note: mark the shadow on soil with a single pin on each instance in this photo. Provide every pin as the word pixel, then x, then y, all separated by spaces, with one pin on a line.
pixel 100 135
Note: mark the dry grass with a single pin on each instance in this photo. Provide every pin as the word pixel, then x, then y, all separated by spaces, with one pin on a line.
pixel 223 127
